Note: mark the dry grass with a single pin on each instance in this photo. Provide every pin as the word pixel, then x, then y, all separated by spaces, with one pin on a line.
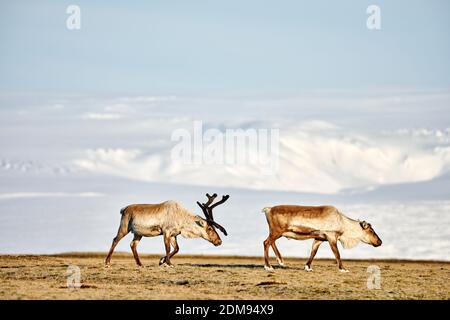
pixel 211 277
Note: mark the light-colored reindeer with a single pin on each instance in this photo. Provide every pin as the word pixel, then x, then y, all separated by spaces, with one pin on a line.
pixel 321 223
pixel 168 219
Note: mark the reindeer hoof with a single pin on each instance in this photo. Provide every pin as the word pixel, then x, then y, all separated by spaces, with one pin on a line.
pixel 166 265
pixel 343 270
pixel 269 268
pixel 308 268
pixel 280 263
pixel 162 260
pixel 107 265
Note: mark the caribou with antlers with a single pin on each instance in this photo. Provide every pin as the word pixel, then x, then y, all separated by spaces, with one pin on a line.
pixel 168 219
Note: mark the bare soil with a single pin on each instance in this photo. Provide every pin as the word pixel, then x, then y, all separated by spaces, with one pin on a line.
pixel 217 277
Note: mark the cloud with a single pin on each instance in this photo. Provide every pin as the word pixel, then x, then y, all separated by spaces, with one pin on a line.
pixel 118 108
pixel 146 99
pixel 101 116
pixel 57 106
pixel 22 195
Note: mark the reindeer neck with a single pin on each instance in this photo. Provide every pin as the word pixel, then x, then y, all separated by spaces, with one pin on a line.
pixel 351 226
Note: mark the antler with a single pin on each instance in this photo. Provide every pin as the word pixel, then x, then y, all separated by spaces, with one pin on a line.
pixel 204 206
pixel 210 199
pixel 207 210
pixel 224 198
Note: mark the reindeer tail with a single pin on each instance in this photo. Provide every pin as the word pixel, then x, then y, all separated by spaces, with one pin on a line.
pixel 266 210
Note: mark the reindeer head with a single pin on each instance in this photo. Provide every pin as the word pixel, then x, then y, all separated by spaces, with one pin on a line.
pixel 208 224
pixel 369 235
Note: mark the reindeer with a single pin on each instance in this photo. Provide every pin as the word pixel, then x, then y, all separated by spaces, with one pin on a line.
pixel 321 223
pixel 168 219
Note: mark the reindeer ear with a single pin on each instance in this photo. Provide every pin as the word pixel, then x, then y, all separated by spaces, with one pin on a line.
pixel 364 224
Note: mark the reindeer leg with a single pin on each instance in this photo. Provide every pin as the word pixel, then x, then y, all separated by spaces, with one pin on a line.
pixel 334 248
pixel 277 253
pixel 267 243
pixel 166 259
pixel 267 265
pixel 174 243
pixel 315 247
pixel 120 234
pixel 133 246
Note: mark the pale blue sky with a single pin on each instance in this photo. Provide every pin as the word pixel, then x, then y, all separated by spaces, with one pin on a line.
pixel 202 47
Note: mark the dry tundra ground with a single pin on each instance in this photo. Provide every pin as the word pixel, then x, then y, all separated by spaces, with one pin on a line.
pixel 215 277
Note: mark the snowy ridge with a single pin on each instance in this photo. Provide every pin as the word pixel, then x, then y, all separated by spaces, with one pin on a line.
pixel 314 157
pixel 33 167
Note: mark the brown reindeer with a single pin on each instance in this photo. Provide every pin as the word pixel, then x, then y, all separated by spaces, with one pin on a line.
pixel 168 219
pixel 321 223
